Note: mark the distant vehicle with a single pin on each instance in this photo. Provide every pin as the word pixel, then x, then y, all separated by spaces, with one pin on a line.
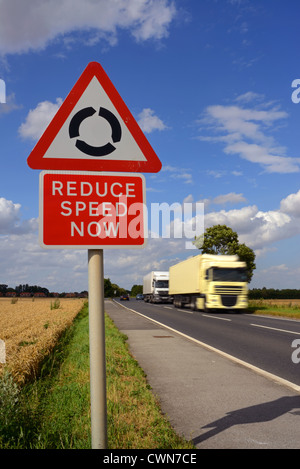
pixel 207 282
pixel 156 287
pixel 125 296
pixel 139 296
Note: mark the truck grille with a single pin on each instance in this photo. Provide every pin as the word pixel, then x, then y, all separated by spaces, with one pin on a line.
pixel 163 293
pixel 229 300
pixel 228 290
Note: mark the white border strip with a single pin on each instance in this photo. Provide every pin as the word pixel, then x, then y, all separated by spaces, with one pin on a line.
pixel 257 370
pixel 92 174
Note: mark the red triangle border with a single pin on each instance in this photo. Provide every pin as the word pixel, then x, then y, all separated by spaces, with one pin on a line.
pixel 36 158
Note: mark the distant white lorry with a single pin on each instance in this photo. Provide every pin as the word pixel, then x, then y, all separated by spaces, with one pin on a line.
pixel 156 287
pixel 208 282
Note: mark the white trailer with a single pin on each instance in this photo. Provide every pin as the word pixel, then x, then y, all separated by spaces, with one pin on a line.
pixel 156 287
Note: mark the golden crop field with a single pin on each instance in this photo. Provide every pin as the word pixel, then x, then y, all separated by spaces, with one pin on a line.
pixel 30 328
pixel 278 302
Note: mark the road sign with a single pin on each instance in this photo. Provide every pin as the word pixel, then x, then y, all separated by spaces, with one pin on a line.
pixel 90 210
pixel 94 130
pixel 81 208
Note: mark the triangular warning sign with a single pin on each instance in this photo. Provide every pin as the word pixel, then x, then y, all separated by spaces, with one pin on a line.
pixel 93 130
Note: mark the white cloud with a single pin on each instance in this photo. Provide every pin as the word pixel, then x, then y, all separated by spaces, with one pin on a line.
pixel 247 132
pixel 188 199
pixel 231 198
pixel 272 277
pixel 257 229
pixel 242 220
pixel 291 204
pixel 178 173
pixel 264 156
pixel 216 173
pixel 10 219
pixel 148 121
pixel 153 19
pixel 248 97
pixel 241 122
pixel 222 199
pixel 273 226
pixel 129 266
pixel 33 24
pixel 9 104
pixel 38 119
pixel 23 261
pixel 237 173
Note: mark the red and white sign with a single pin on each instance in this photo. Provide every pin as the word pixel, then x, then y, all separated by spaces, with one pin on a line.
pixel 93 130
pixel 92 210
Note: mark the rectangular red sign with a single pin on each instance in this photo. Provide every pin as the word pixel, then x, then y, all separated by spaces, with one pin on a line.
pixel 90 210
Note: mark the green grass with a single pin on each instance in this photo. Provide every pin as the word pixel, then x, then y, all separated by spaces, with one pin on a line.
pixel 53 412
pixel 262 307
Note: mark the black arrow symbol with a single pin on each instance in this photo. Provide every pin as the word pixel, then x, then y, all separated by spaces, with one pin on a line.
pixel 85 147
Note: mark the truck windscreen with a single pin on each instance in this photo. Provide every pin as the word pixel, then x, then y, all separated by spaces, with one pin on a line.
pixel 229 275
pixel 162 284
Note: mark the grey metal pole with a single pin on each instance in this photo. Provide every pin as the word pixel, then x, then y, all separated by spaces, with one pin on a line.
pixel 97 349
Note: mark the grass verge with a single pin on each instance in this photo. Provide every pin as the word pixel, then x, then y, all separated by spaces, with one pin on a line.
pixel 53 412
pixel 287 310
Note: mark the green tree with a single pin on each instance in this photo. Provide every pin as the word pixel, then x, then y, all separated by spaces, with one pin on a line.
pixel 136 289
pixel 116 289
pixel 3 288
pixel 111 288
pixel 108 289
pixel 247 255
pixel 220 239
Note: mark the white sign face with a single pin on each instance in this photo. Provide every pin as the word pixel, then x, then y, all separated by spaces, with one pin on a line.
pixel 95 130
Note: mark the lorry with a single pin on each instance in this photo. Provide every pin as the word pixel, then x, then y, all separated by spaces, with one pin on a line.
pixel 209 282
pixel 156 287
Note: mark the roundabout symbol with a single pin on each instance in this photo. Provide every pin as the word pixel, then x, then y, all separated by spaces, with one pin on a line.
pixel 103 150
pixel 84 136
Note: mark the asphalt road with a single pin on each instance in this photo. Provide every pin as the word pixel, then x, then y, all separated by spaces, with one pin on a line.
pixel 264 342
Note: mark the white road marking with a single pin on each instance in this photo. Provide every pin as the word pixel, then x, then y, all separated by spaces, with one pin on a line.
pixel 215 317
pixel 275 329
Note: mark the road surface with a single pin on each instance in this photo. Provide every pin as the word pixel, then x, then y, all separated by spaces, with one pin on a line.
pixel 264 342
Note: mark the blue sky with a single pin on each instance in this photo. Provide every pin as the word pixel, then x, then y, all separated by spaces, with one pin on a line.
pixel 210 83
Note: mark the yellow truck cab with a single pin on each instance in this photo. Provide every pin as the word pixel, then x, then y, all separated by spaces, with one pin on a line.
pixel 208 282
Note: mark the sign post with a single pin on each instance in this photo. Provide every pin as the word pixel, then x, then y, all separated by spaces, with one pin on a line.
pixel 85 203
pixel 97 349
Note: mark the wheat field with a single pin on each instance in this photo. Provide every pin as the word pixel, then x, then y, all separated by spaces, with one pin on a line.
pixel 30 329
pixel 278 302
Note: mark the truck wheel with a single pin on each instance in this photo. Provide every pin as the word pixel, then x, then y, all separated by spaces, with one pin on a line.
pixel 205 309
